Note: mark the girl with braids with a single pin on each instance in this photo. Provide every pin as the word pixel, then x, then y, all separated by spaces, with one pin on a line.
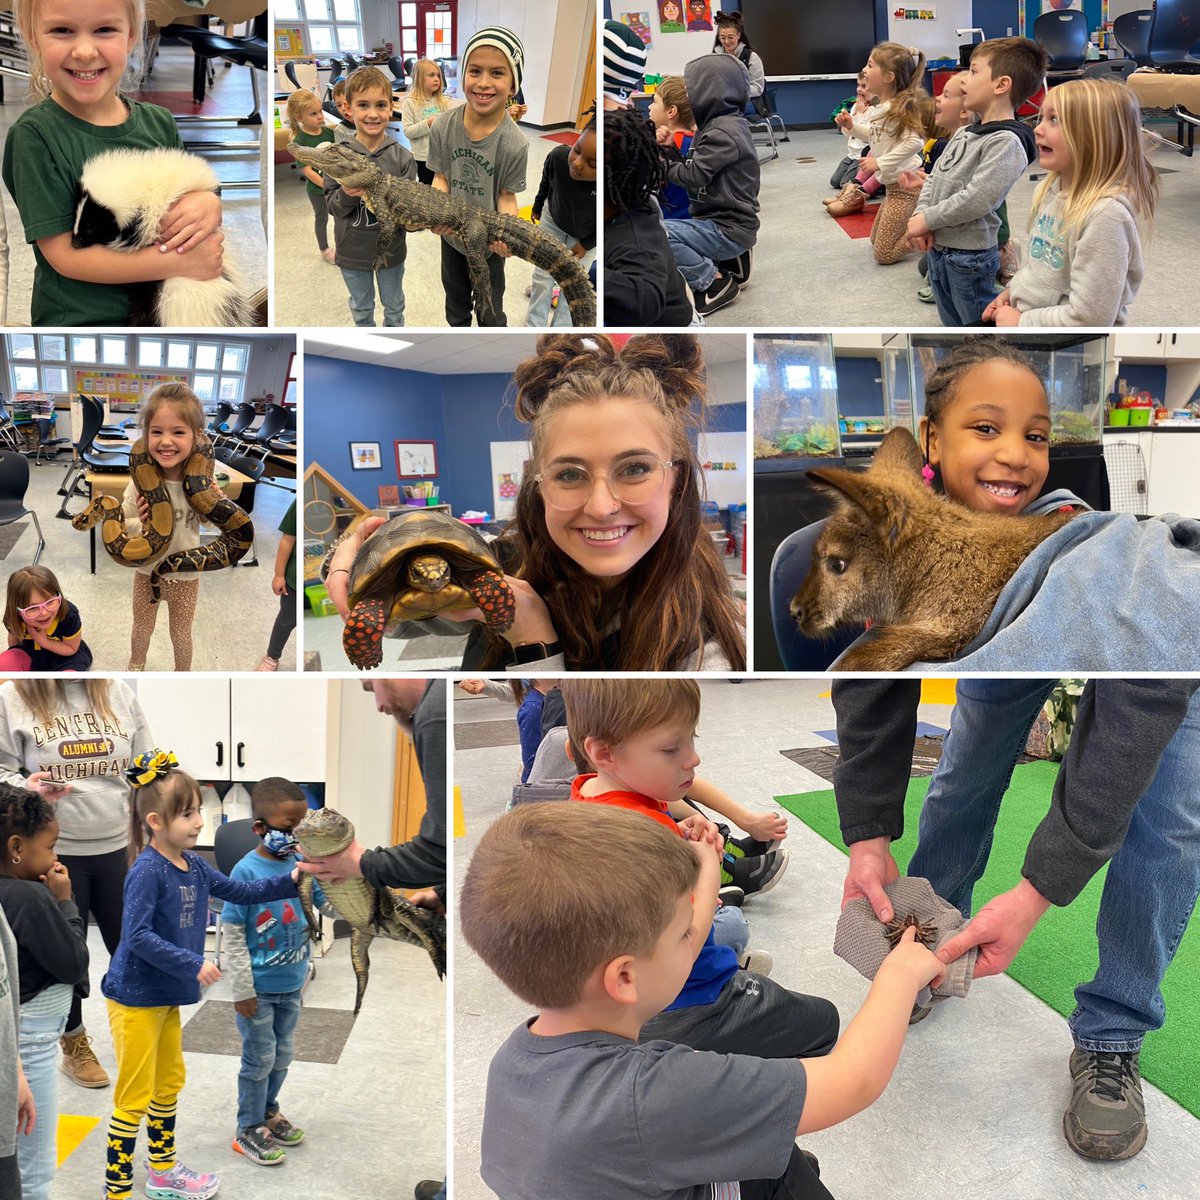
pixel 71 739
pixel 895 134
pixel 35 894
pixel 642 285
pixel 607 551
pixel 160 965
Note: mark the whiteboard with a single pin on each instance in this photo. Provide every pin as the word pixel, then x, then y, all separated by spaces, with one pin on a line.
pixel 938 37
pixel 508 468
pixel 725 479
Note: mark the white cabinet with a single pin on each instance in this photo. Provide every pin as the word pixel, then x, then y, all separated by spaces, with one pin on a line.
pixel 240 730
pixel 1169 344
pixel 1175 473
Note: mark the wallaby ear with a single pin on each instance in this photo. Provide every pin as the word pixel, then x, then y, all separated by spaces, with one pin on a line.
pixel 887 507
pixel 899 452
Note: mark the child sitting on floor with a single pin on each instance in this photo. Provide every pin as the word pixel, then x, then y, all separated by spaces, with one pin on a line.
pixel 45 632
pixel 671 110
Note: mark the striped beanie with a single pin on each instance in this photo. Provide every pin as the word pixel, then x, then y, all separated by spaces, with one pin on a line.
pixel 624 61
pixel 503 40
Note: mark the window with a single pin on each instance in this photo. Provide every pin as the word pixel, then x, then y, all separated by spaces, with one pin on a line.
pixel 179 355
pixel 83 350
pixel 25 378
pixel 327 26
pixel 114 351
pixel 150 352
pixel 206 356
pixel 23 345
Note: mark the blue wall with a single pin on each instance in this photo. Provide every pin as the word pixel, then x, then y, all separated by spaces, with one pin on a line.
pixel 859 386
pixel 1143 377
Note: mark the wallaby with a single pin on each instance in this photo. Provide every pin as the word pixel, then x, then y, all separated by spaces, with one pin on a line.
pixel 924 571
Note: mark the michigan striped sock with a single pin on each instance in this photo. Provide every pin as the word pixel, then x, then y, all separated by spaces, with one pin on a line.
pixel 118 1169
pixel 160 1135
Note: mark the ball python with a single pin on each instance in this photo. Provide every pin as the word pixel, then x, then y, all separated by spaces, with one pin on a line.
pixel 237 530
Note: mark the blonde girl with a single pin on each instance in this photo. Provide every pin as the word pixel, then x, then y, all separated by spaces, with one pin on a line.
pixel 307 120
pixel 1084 261
pixel 423 104
pixel 895 134
pixel 45 632
pixel 172 423
pixel 79 55
pixel 158 966
pixel 607 552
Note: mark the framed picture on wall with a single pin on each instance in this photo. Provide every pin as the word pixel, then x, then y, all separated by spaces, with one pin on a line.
pixel 416 460
pixel 365 456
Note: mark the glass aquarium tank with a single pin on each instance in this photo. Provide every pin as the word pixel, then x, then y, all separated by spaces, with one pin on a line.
pixel 1072 366
pixel 795 400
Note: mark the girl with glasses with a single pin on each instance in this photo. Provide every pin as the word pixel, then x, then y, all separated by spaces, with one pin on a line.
pixel 45 632
pixel 607 551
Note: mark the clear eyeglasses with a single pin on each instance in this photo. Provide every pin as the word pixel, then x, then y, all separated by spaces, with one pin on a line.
pixel 568 486
pixel 37 610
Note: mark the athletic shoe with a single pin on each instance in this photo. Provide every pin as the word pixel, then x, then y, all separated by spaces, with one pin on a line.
pixel 752 847
pixel 1106 1118
pixel 738 268
pixel 759 874
pixel 283 1131
pixel 925 294
pixel 259 1146
pixel 180 1183
pixel 79 1061
pixel 721 293
pixel 731 895
pixel 758 961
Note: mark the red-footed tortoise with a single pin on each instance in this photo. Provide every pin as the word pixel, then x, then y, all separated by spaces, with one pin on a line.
pixel 419 565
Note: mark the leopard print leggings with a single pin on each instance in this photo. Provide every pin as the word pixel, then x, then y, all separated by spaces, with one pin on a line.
pixel 179 595
pixel 887 233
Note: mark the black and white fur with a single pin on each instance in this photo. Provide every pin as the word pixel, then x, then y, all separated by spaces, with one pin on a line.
pixel 124 196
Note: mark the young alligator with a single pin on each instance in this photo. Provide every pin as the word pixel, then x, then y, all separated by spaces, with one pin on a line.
pixel 370 911
pixel 398 203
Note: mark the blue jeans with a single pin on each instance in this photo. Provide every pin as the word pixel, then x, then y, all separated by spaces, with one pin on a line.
pixel 963 282
pixel 39 1057
pixel 698 246
pixel 542 289
pixel 731 929
pixel 1153 880
pixel 266 1055
pixel 361 285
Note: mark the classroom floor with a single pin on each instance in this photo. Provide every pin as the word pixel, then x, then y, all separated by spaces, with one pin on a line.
pixel 310 291
pixel 975 1106
pixel 808 272
pixel 170 84
pixel 376 1111
pixel 429 653
pixel 236 609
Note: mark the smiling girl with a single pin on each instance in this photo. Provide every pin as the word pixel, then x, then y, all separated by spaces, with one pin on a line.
pixel 607 552
pixel 425 102
pixel 45 632
pixel 78 58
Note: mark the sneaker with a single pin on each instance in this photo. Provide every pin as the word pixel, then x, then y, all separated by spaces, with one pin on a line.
pixel 760 874
pixel 427 1189
pixel 738 268
pixel 267 663
pixel 283 1131
pixel 921 1011
pixel 329 254
pixel 758 961
pixel 79 1061
pixel 258 1146
pixel 721 293
pixel 752 847
pixel 1106 1118
pixel 180 1183
pixel 731 895
pixel 925 294
pixel 854 200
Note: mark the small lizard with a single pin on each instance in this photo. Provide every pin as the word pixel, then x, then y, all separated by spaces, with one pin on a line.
pixel 370 911
pixel 400 203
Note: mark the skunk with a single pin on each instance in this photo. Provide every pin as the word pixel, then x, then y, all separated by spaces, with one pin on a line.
pixel 124 196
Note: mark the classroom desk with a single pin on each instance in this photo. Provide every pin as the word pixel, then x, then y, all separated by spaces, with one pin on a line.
pixel 113 483
pixel 280 466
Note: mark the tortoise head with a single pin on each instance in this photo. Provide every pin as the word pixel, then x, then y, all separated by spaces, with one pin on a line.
pixel 428 572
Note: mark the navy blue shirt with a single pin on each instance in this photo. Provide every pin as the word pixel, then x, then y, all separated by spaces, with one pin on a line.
pixel 162 932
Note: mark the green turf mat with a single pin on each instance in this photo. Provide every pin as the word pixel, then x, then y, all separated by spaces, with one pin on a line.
pixel 1061 951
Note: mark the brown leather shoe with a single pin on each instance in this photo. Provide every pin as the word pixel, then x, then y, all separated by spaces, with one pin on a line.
pixel 80 1062
pixel 848 190
pixel 854 202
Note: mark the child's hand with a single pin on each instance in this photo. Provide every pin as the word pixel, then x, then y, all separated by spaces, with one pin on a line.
pixel 58 880
pixel 911 181
pixel 190 220
pixel 442 230
pixel 868 163
pixel 989 313
pixel 26 1108
pixel 279 585
pixel 766 827
pixel 917 227
pixel 1007 317
pixel 698 828
pixel 500 248
pixel 843 120
pixel 577 250
pixel 662 135
pixel 517 111
pixel 206 261
pixel 43 783
pixel 924 243
pixel 919 966
pixel 532 622
pixel 209 973
pixel 246 1008
pixel 143 509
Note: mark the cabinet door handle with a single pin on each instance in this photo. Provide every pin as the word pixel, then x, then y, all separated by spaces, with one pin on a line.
pixel 1173 337
pixel 240 747
pixel 1158 340
pixel 220 753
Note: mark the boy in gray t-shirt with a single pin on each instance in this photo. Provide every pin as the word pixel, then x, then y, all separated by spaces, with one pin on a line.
pixel 595 915
pixel 478 154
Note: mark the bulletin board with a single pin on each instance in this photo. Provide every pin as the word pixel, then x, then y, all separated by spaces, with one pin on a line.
pixel 289 42
pixel 723 456
pixel 121 385
pixel 508 469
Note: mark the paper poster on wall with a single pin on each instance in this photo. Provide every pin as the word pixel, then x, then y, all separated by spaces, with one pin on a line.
pixel 699 16
pixel 1061 5
pixel 508 469
pixel 670 16
pixel 639 22
pixel 925 13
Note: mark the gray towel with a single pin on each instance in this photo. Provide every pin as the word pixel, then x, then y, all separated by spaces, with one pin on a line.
pixel 862 941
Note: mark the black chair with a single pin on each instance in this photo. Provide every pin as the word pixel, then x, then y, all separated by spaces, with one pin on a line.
pixel 49 447
pixel 216 427
pixel 274 421
pixel 244 419
pixel 352 63
pixel 289 69
pixel 14 483
pixel 10 435
pixel 409 65
pixel 396 66
pixel 108 431
pixel 1175 36
pixel 254 468
pixel 1132 32
pixel 336 71
pixel 1116 69
pixel 231 843
pixel 1063 34
pixel 86 456
pixel 284 442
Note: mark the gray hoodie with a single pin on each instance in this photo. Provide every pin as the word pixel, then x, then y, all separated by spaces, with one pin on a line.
pixel 973 175
pixel 1087 276
pixel 355 229
pixel 720 172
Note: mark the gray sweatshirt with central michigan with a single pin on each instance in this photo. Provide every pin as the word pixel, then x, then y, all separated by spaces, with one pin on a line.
pixel 973 175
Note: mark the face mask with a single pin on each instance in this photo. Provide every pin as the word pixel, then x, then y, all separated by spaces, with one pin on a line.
pixel 280 843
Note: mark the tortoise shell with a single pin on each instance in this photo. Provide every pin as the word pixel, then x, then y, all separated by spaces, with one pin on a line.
pixel 416 565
